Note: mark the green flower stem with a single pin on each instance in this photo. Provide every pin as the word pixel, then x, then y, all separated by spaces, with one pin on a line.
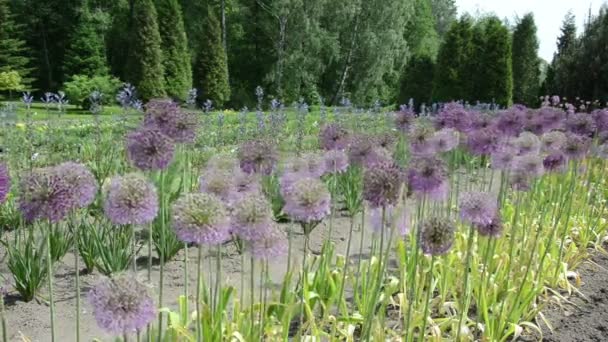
pixel 428 299
pixel 77 269
pixel 3 319
pixel 199 276
pixel 162 252
pixel 49 265
pixel 413 268
pixel 466 293
pixel 345 271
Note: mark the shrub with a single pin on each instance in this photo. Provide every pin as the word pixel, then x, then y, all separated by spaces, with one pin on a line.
pixel 80 87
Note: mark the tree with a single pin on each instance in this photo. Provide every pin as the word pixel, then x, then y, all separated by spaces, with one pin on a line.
pixel 145 69
pixel 176 56
pixel 13 50
pixel 444 12
pixel 11 81
pixel 564 60
pixel 417 82
pixel 211 69
pixel 86 53
pixel 453 61
pixel 420 33
pixel 526 64
pixel 591 60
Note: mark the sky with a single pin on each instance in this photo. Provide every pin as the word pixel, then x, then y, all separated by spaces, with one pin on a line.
pixel 548 15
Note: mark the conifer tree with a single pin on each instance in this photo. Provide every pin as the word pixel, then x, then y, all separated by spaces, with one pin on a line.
pixel 176 56
pixel 13 50
pixel 452 62
pixel 495 62
pixel 526 64
pixel 564 60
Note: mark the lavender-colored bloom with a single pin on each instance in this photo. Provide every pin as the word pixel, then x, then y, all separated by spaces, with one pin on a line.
pixel 122 304
pixel 491 229
pixel 46 195
pixel 602 137
pixel 421 140
pixel 272 245
pixel 258 156
pixel 555 162
pixel 581 124
pixel 427 176
pixel 555 100
pixel 245 183
pixel 510 122
pixel 81 180
pixel 398 217
pixel 362 151
pixel 527 143
pixel 480 120
pixel 201 219
pixel 483 141
pixel 520 180
pixel 251 217
pixel 404 119
pixel 386 140
pixel 502 157
pixel 445 140
pixel 536 125
pixel 553 141
pixel 576 146
pixel 552 118
pixel 166 116
pixel 309 163
pixel 333 137
pixel 5 182
pixel 336 161
pixel 436 235
pixel 149 149
pixel 382 185
pixel 530 164
pixel 600 116
pixel 217 182
pixel 308 201
pixel 454 115
pixel 478 208
pixel 131 199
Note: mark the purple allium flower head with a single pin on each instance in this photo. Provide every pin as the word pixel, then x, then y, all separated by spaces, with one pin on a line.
pixel 398 217
pixel 527 143
pixel 404 119
pixel 555 162
pixel 601 151
pixel 600 116
pixel 46 195
pixel 270 246
pixel 336 161
pixel 166 116
pixel 454 115
pixel 602 137
pixel 581 124
pixel 221 162
pixel 553 141
pixel 245 183
pixel 82 182
pixel 131 199
pixel 555 100
pixel 386 140
pixel 481 120
pixel 483 141
pixel 520 180
pixel 530 164
pixel 492 228
pixel 427 176
pixel 576 146
pixel 5 182
pixel 382 185
pixel 308 201
pixel 502 157
pixel 217 182
pixel 333 137
pixel 478 208
pixel 148 149
pixel 362 151
pixel 251 217
pixel 201 219
pixel 445 140
pixel 535 124
pixel 551 118
pixel 309 163
pixel 510 122
pixel 258 156
pixel 436 235
pixel 122 304
pixel 421 140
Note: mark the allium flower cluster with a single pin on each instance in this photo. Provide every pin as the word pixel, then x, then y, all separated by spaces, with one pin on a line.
pixel 576 146
pixel 436 235
pixel 217 182
pixel 551 117
pixel 444 140
pixel 553 141
pixel 308 164
pixel 555 162
pixel 5 182
pixel 46 195
pixel 491 229
pixel 382 185
pixel 201 219
pixel 483 141
pixel 81 180
pixel 252 217
pixel 308 200
pixel 600 116
pixel 480 120
pixel 386 140
pixel 404 119
pixel 333 137
pixel 149 149
pixel 122 304
pixel 510 122
pixel 502 157
pixel 581 124
pixel 363 152
pixel 258 156
pixel 454 115
pixel 272 245
pixel 527 143
pixel 167 116
pixel 336 161
pixel 529 164
pixel 421 140
pixel 131 199
pixel 478 208
pixel 427 176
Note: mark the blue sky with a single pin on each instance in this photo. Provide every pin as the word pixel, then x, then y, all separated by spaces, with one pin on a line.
pixel 547 13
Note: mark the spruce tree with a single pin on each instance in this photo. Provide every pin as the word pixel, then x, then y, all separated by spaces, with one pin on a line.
pixel 418 80
pixel 444 12
pixel 176 56
pixel 86 54
pixel 564 60
pixel 526 64
pixel 452 74
pixel 145 69
pixel 13 50
pixel 495 61
pixel 420 31
pixel 211 70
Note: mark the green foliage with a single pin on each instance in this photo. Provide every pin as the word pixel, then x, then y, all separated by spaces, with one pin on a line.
pixel 176 56
pixel 417 81
pixel 421 36
pixel 27 264
pixel 13 49
pixel 452 62
pixel 563 64
pixel 211 70
pixel 10 80
pixel 145 68
pixel 526 64
pixel 80 87
pixel 445 12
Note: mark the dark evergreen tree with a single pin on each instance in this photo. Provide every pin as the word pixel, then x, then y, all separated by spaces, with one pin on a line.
pixel 145 69
pixel 211 69
pixel 418 81
pixel 117 38
pixel 13 50
pixel 590 78
pixel 564 60
pixel 176 56
pixel 496 80
pixel 453 61
pixel 420 32
pixel 526 64
pixel 86 53
pixel 445 12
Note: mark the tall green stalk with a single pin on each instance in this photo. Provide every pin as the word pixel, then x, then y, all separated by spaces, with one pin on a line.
pixel 428 299
pixel 49 265
pixel 77 269
pixel 467 295
pixel 199 275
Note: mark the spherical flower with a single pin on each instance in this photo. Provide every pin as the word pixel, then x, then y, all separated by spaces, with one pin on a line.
pixel 122 304
pixel 527 143
pixel 421 140
pixel 436 235
pixel 382 185
pixel 555 162
pixel 336 161
pixel 167 116
pixel 222 162
pixel 445 140
pixel 362 151
pixel 308 201
pixel 600 116
pixel 530 164
pixel 480 120
pixel 535 124
pixel 552 118
pixel 149 149
pixel 553 141
pixel 510 122
pixel 576 146
pixel 201 219
pixel 520 180
pixel 258 156
pixel 309 163
pixel 333 137
pixel 217 182
pixel 581 124
pixel 454 115
pixel 386 140
pixel 491 229
pixel 251 217
pixel 272 245
pixel 5 182
pixel 427 176
pixel 245 183
pixel 46 195
pixel 404 119
pixel 502 157
pixel 602 137
pixel 482 141
pixel 131 199
pixel 398 217
pixel 82 181
pixel 478 208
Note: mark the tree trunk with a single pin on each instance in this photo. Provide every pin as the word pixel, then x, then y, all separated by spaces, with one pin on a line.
pixel 349 57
